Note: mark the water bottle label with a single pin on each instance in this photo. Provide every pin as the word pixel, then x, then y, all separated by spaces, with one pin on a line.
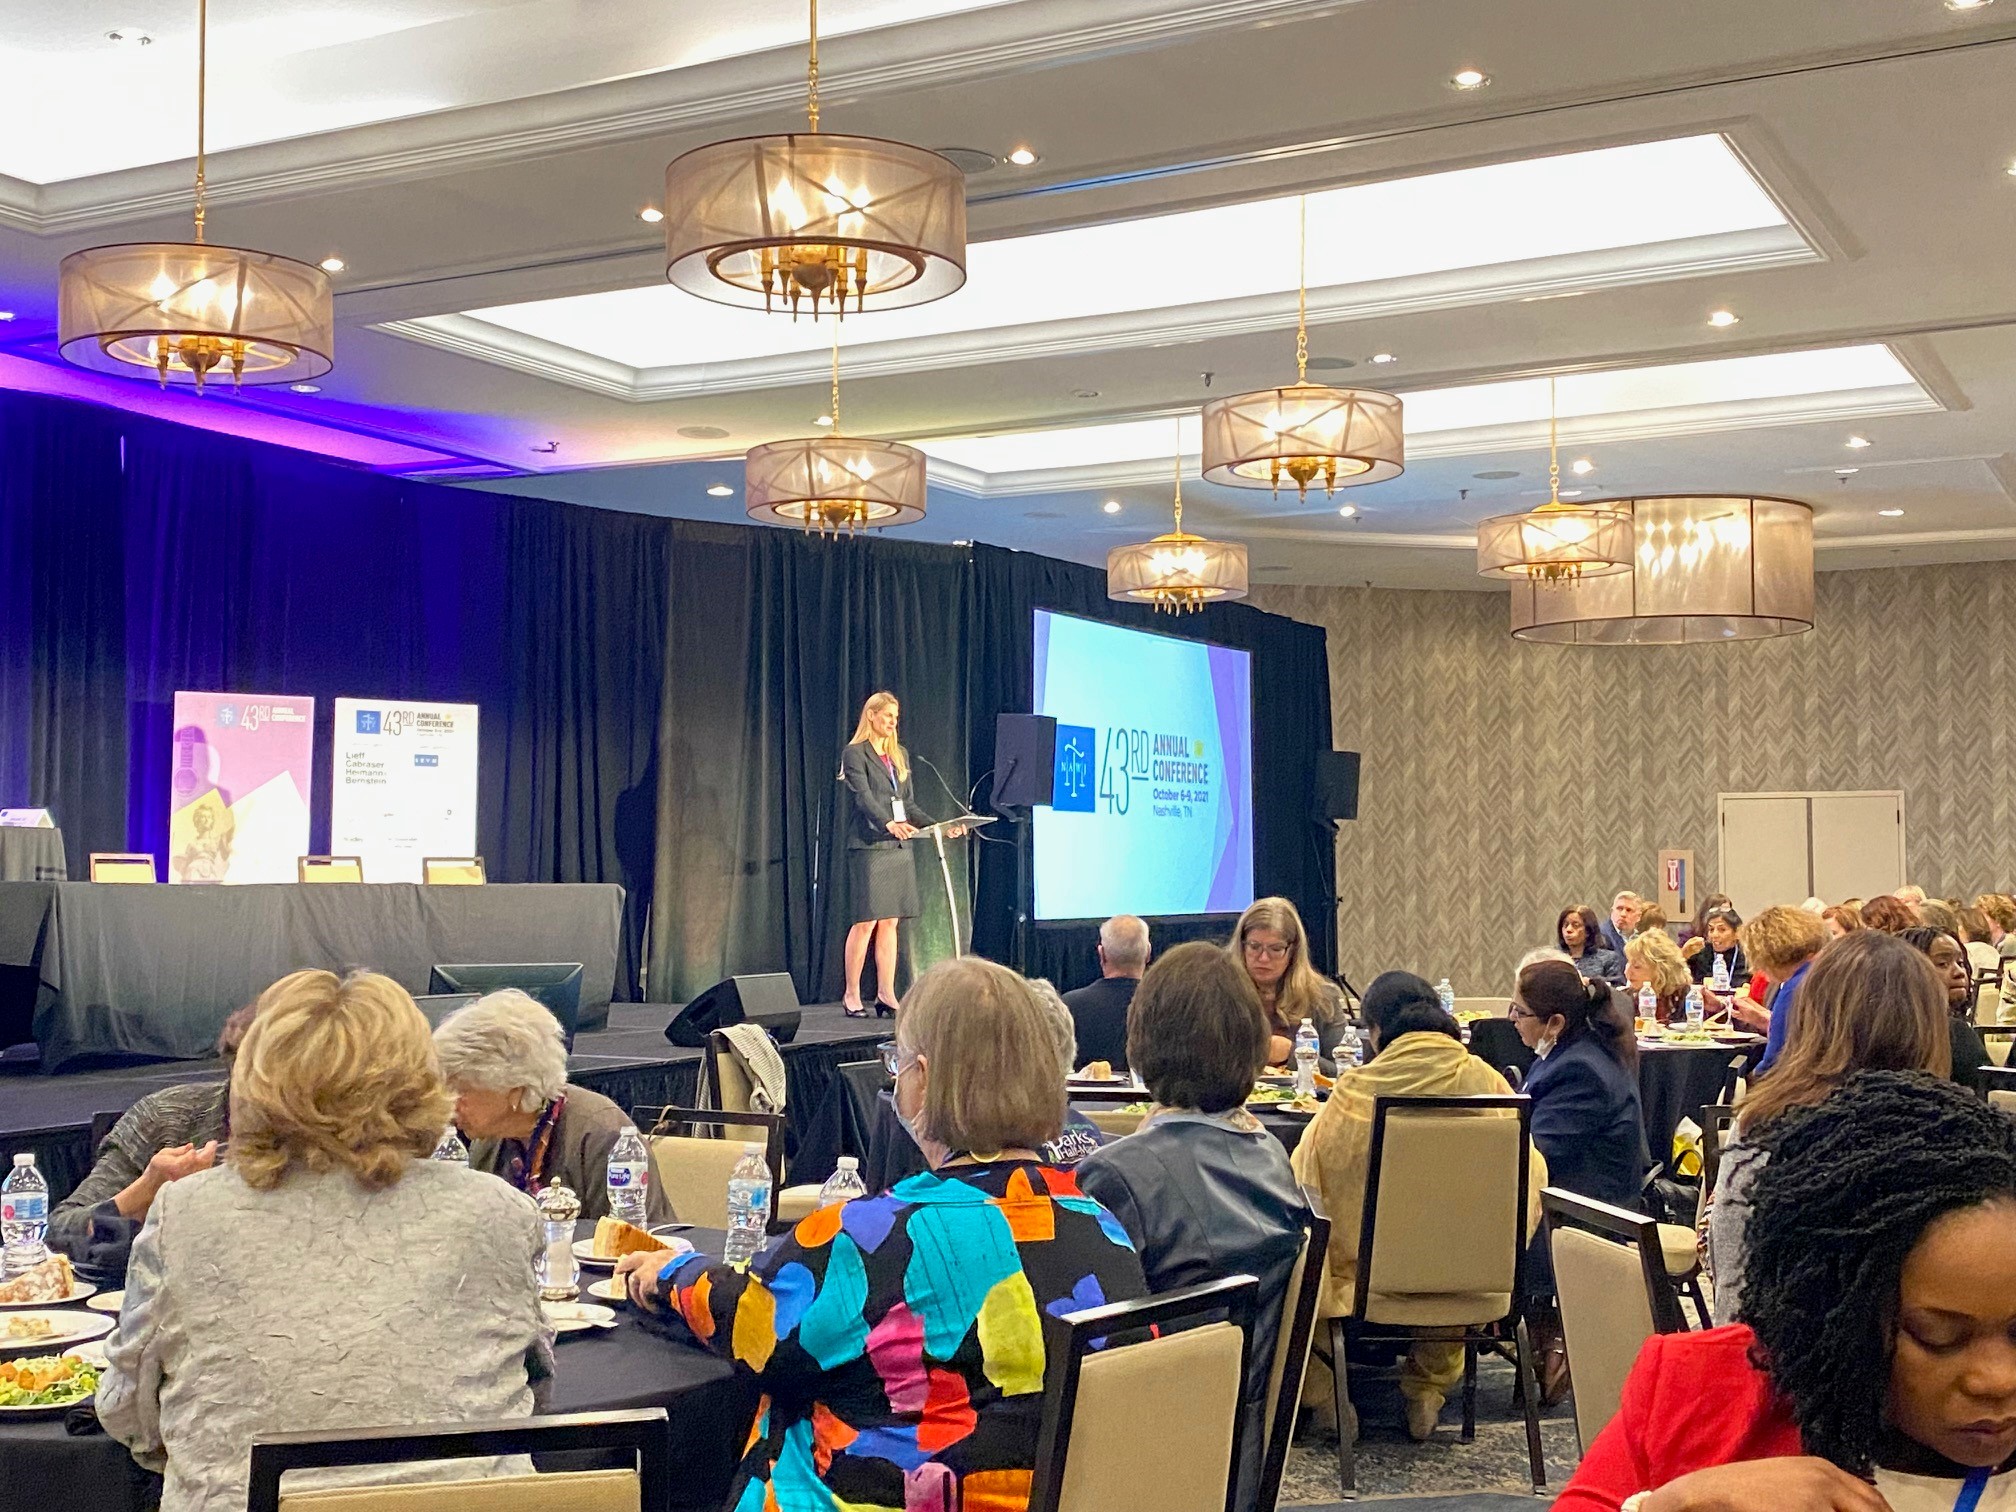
pixel 625 1174
pixel 25 1207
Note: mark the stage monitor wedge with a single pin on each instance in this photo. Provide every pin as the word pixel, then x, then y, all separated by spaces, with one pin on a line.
pixel 769 999
pixel 557 984
pixel 1337 785
pixel 1025 760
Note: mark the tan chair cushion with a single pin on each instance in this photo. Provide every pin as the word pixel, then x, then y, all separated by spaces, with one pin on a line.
pixel 1437 1309
pixel 1185 1384
pixel 1680 1248
pixel 693 1174
pixel 571 1491
pixel 1447 1214
pixel 2003 1100
pixel 1112 1122
pixel 733 1082
pixel 1606 1317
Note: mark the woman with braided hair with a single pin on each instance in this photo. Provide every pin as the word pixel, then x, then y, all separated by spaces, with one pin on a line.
pixel 1876 1371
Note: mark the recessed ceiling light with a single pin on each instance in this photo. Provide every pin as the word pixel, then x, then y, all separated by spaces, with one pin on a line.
pixel 1084 393
pixel 822 419
pixel 1846 472
pixel 1022 157
pixel 1111 506
pixel 1469 78
pixel 1856 443
pixel 650 215
pixel 1582 467
pixel 1331 364
pixel 720 491
pixel 306 388
pixel 1965 5
pixel 1348 511
pixel 128 36
pixel 1890 514
pixel 332 265
pixel 1571 493
pixel 1495 474
pixel 1722 319
pixel 1382 358
pixel 702 432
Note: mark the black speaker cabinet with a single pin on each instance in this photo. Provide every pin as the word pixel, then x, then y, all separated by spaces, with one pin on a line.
pixel 770 1000
pixel 1337 785
pixel 1025 760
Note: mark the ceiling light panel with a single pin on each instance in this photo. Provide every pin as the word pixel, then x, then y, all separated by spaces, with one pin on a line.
pixel 1463 236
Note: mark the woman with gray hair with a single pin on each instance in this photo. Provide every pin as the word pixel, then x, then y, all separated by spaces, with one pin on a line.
pixel 505 1060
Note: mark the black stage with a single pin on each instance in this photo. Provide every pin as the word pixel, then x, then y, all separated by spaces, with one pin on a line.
pixel 630 1061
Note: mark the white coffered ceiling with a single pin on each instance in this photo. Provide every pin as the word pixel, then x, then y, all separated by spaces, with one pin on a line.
pixel 1833 172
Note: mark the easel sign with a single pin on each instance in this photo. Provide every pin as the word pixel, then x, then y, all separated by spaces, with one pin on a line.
pixel 1676 884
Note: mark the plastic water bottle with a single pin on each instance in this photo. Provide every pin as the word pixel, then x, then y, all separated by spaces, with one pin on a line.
pixel 1350 1047
pixel 1446 995
pixel 451 1147
pixel 1308 1047
pixel 845 1184
pixel 1722 974
pixel 24 1215
pixel 1696 1009
pixel 748 1207
pixel 629 1177
pixel 1648 1004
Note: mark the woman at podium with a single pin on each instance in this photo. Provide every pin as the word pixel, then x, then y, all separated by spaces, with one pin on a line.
pixel 881 871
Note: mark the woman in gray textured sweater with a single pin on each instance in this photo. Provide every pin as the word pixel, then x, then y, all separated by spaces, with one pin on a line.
pixel 328 1274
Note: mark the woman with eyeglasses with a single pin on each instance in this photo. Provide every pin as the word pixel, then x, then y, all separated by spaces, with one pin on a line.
pixel 1273 948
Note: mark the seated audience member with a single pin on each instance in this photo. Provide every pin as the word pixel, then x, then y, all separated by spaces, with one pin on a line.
pixel 1652 920
pixel 1587 1119
pixel 1935 913
pixel 1875 1371
pixel 1911 895
pixel 1694 933
pixel 1949 960
pixel 1841 919
pixel 328 1275
pixel 1888 914
pixel 1625 909
pixel 1099 1011
pixel 1201 1187
pixel 1869 1003
pixel 1780 943
pixel 505 1059
pixel 2000 910
pixel 898 1338
pixel 1721 942
pixel 1417 1052
pixel 1654 958
pixel 163 1137
pixel 1816 906
pixel 1580 939
pixel 1272 946
pixel 1975 931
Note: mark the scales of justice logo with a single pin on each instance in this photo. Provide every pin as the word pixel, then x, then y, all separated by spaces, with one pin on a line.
pixel 1074 769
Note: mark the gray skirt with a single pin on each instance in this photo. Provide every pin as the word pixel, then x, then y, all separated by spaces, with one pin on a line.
pixel 882 883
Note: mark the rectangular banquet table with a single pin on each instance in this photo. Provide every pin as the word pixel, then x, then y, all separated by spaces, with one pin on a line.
pixel 142 970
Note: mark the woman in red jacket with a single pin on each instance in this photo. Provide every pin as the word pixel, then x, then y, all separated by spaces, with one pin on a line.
pixel 1881 1373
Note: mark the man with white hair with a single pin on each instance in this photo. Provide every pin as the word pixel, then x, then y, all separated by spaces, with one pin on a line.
pixel 1623 920
pixel 1099 1011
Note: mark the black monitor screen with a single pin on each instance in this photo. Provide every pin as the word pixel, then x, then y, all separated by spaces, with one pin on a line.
pixel 557 984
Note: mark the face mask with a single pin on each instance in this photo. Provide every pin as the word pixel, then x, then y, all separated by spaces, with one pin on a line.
pixel 1546 1046
pixel 913 1126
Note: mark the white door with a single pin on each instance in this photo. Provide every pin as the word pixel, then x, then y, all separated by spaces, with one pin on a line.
pixel 1764 850
pixel 1858 844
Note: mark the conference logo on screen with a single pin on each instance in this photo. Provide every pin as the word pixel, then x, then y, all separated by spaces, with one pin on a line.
pixel 1075 786
pixel 368 721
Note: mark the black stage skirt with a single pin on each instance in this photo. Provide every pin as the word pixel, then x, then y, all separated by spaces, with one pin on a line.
pixel 882 883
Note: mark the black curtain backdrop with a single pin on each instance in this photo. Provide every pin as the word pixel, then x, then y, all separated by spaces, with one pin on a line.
pixel 663 702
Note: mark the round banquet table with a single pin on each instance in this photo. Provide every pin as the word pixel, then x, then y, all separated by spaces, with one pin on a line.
pixel 1679 1081
pixel 708 1411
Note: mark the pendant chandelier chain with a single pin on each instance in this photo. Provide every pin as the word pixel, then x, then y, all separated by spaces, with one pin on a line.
pixel 1553 446
pixel 202 84
pixel 835 410
pixel 1179 477
pixel 812 72
pixel 1302 294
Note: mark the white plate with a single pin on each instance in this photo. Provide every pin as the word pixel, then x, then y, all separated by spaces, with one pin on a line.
pixel 93 1354
pixel 584 1251
pixel 609 1289
pixel 573 1317
pixel 79 1290
pixel 71 1328
pixel 107 1302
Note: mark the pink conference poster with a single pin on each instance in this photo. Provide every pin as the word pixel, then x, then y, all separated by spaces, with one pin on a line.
pixel 238 795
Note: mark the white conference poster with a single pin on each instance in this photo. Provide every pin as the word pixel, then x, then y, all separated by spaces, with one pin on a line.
pixel 405 784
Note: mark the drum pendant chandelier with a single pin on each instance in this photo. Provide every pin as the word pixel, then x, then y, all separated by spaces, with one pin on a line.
pixel 815 221
pixel 1177 573
pixel 833 482
pixel 1304 432
pixel 1558 542
pixel 188 311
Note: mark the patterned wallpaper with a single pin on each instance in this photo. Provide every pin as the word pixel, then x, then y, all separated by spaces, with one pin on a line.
pixel 1503 781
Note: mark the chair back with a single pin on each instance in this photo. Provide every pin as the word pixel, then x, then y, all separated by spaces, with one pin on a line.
pixel 121 866
pixel 329 869
pixel 692 1168
pixel 1442 1240
pixel 729 1080
pixel 1496 1042
pixel 641 1433
pixel 1997 1042
pixel 452 871
pixel 2003 1100
pixel 1114 1123
pixel 1716 1121
pixel 1292 1340
pixel 1105 1376
pixel 1610 1280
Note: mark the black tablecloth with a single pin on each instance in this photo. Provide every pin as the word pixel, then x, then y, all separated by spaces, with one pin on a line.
pixel 156 970
pixel 708 1413
pixel 1676 1082
pixel 32 855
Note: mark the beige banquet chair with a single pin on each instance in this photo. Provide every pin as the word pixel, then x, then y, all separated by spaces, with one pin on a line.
pixel 111 866
pixel 1114 1123
pixel 732 1091
pixel 1610 1279
pixel 329 869
pixel 2003 1100
pixel 1105 1377
pixel 692 1169
pixel 1292 1338
pixel 642 1434
pixel 452 871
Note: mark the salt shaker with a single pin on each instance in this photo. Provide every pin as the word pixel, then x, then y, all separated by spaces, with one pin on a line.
pixel 559 1271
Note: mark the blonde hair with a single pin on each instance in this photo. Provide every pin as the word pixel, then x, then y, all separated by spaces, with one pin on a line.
pixel 877 702
pixel 2001 908
pixel 1781 937
pixel 1660 956
pixel 996 1049
pixel 335 1075
pixel 1303 993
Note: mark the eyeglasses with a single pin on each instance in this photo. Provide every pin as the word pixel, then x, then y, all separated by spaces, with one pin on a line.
pixel 893 1059
pixel 1267 952
pixel 1516 1011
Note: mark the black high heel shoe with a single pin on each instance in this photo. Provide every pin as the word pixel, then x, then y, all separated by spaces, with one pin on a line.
pixel 884 1010
pixel 853 1012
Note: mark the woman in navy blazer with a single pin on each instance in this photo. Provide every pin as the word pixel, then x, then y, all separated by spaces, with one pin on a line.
pixel 1587 1119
